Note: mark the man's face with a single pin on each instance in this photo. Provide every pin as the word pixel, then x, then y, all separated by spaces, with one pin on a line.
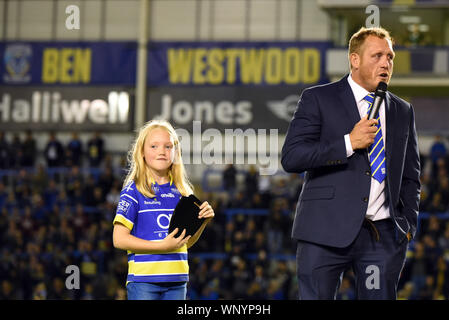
pixel 374 63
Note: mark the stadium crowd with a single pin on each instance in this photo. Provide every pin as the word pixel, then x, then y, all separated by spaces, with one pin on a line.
pixel 59 213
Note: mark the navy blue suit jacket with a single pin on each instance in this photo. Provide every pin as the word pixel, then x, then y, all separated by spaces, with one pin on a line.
pixel 334 198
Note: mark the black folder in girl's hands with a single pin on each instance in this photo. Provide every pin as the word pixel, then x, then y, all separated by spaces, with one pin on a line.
pixel 185 216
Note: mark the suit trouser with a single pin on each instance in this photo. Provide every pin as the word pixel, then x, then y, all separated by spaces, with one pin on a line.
pixel 375 257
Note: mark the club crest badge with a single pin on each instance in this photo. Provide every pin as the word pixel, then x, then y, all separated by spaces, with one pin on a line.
pixel 17 62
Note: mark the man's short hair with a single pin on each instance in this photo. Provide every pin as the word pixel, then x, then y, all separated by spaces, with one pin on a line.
pixel 358 38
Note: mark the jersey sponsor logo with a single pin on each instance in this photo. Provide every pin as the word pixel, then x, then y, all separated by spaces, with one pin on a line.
pixel 152 202
pixel 167 195
pixel 123 207
pixel 163 220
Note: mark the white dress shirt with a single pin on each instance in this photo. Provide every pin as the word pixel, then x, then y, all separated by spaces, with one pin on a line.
pixel 377 204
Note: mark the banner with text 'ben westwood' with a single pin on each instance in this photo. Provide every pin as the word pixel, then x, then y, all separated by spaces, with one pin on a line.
pixel 68 63
pixel 236 63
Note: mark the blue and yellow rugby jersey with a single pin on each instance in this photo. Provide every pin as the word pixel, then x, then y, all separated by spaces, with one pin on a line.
pixel 149 218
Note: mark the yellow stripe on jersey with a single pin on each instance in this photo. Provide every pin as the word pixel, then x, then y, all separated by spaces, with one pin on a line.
pixel 124 221
pixel 158 267
pixel 183 249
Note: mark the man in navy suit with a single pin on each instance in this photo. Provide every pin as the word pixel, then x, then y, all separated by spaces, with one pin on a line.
pixel 359 204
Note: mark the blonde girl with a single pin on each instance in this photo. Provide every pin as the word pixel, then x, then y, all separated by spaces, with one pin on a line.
pixel 157 261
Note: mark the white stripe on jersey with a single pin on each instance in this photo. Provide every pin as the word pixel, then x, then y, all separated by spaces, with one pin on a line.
pixel 127 195
pixel 146 210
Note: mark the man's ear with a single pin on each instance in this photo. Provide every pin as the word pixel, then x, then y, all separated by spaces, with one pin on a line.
pixel 354 58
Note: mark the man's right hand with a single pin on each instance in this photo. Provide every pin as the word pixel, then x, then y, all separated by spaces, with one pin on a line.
pixel 363 133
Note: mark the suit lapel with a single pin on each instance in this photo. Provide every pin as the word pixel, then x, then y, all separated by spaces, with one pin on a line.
pixel 348 102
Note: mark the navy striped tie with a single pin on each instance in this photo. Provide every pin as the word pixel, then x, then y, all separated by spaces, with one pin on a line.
pixel 376 151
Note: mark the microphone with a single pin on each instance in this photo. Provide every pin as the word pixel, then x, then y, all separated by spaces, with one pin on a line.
pixel 379 96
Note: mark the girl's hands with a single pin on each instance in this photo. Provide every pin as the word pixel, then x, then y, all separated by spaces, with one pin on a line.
pixel 172 243
pixel 206 211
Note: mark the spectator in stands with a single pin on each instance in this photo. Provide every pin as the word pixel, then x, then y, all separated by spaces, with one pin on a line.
pixel 251 181
pixel 210 291
pixel 276 231
pixel 75 150
pixel 414 37
pixel 16 152
pixel 40 291
pixel 50 194
pixel 29 150
pixel 443 241
pixel 40 211
pixel 11 202
pixel 428 291
pixel 437 205
pixel 437 151
pixel 230 180
pixel 62 201
pixel 21 183
pixel 260 277
pixel 76 195
pixel 241 279
pixel 113 196
pixel 72 178
pixel 3 194
pixel 433 229
pixel 27 224
pixel 443 188
pixel 274 291
pixel 39 179
pixel 431 251
pixel 54 152
pixel 4 151
pixel 120 294
pixel 426 192
pixel 88 292
pixel 283 275
pixel 95 150
pixel 442 278
pixel 88 192
pixel 255 292
pixel 98 197
pixel 240 200
pixel 420 267
pixel 265 190
pixel 441 169
pixel 7 291
pixel 346 290
pixel 281 189
pixel 80 221
pixel 106 180
pixel 407 292
pixel 57 290
pixel 256 202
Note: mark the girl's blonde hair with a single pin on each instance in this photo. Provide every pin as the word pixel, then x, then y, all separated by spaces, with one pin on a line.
pixel 138 171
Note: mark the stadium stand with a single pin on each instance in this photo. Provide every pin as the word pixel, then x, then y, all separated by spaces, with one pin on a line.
pixel 53 217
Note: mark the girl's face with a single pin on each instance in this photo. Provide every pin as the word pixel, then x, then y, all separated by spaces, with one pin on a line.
pixel 159 151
